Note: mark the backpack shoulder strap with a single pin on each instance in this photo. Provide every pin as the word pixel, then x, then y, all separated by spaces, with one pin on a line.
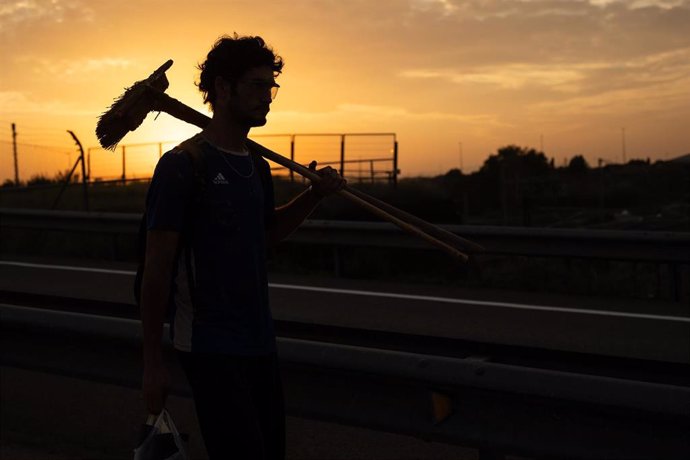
pixel 194 150
pixel 192 147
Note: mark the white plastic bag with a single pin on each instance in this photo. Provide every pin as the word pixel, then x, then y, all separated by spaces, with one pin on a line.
pixel 160 440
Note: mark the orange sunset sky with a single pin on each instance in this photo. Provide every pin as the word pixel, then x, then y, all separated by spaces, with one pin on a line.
pixel 565 74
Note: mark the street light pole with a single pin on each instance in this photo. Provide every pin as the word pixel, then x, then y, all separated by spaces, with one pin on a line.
pixel 14 150
pixel 623 140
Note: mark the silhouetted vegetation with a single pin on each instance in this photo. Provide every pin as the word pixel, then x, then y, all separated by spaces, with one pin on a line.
pixel 515 186
pixel 578 165
pixel 521 187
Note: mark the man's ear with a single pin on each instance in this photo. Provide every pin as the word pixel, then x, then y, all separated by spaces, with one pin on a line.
pixel 222 89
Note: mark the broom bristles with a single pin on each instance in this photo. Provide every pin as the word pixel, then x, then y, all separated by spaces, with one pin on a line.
pixel 113 124
pixel 129 110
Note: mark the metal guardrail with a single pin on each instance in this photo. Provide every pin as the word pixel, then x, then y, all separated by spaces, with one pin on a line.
pixel 527 241
pixel 77 221
pixel 662 247
pixel 428 370
pixel 468 401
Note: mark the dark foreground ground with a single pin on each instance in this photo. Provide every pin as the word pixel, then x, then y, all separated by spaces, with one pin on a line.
pixel 87 420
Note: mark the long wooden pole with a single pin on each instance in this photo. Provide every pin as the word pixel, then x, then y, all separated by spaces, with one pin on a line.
pixel 442 239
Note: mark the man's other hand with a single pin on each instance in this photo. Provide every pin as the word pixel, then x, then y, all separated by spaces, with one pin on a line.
pixel 331 181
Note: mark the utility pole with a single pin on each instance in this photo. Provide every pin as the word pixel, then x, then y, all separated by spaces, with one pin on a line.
pixel 14 150
pixel 600 165
pixel 541 143
pixel 623 139
pixel 462 167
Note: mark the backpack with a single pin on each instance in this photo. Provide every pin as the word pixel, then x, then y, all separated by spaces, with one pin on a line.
pixel 195 153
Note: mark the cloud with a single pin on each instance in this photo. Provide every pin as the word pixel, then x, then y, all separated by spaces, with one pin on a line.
pixel 511 76
pixel 636 4
pixel 446 7
pixel 669 98
pixel 576 77
pixel 19 103
pixel 517 44
pixel 401 112
pixel 70 68
pixel 382 112
pixel 19 12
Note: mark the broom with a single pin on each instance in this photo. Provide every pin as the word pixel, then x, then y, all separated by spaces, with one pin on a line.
pixel 129 110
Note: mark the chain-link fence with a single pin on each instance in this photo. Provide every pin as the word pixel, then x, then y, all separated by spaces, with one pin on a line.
pixel 361 157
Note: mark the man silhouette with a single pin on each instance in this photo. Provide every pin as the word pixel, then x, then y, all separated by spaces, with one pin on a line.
pixel 205 259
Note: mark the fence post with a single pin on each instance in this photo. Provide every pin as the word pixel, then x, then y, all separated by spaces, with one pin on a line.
pixel 342 155
pixel 124 176
pixel 395 162
pixel 292 156
pixel 14 152
pixel 88 163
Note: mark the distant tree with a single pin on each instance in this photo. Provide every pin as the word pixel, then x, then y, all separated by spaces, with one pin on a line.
pixel 8 183
pixel 516 160
pixel 39 179
pixel 508 179
pixel 453 174
pixel 452 182
pixel 578 164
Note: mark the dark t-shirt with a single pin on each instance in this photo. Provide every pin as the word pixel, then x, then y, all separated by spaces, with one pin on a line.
pixel 224 231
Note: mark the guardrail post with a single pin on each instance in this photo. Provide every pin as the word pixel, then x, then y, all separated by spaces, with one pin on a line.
pixel 337 262
pixel 115 247
pixel 675 281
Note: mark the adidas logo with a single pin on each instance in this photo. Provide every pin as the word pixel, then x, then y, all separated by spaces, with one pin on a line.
pixel 220 179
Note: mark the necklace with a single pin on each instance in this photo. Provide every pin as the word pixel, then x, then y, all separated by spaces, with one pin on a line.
pixel 236 154
pixel 243 176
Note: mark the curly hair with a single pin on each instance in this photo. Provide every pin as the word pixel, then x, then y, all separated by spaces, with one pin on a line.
pixel 231 57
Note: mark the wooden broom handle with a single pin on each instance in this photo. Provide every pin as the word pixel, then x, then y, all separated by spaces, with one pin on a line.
pixel 183 112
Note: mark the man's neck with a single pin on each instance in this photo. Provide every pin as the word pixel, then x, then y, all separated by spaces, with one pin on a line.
pixel 227 136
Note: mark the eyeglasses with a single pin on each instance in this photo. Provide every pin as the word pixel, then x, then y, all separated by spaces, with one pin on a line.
pixel 261 86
